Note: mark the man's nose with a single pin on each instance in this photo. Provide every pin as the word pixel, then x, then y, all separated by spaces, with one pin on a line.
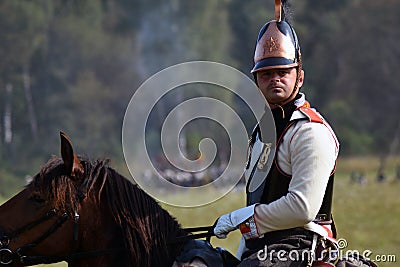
pixel 275 76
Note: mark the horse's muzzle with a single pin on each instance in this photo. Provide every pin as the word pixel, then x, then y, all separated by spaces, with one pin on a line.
pixel 6 256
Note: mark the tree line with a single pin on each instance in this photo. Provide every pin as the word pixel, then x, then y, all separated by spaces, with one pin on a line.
pixel 73 66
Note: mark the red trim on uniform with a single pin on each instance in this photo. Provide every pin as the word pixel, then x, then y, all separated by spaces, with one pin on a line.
pixel 331 131
pixel 328 230
pixel 336 143
pixel 255 221
pixel 291 138
pixel 306 104
pixel 311 114
pixel 315 117
pixel 244 229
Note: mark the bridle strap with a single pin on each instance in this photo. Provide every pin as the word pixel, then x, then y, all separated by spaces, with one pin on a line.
pixel 18 253
pixel 60 221
pixel 31 225
pixel 76 232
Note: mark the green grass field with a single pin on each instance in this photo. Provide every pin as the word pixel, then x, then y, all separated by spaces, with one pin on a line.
pixel 367 216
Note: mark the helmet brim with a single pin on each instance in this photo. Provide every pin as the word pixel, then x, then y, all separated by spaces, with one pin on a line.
pixel 274 63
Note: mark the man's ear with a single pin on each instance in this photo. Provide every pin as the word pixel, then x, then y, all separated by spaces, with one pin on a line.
pixel 301 79
pixel 73 166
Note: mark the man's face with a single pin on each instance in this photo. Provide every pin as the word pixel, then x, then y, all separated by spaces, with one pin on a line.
pixel 277 85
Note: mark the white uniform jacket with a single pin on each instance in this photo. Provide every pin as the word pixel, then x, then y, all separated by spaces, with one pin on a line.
pixel 307 154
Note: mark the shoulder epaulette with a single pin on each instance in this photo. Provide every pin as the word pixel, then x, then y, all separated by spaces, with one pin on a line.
pixel 312 115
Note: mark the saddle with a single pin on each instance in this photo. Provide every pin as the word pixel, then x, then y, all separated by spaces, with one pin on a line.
pixel 212 257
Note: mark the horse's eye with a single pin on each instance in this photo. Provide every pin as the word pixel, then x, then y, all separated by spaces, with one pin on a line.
pixel 37 199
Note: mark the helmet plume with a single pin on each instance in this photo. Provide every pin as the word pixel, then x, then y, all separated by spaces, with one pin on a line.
pixel 282 10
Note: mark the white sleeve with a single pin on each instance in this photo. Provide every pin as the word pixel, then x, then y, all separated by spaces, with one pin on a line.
pixel 309 154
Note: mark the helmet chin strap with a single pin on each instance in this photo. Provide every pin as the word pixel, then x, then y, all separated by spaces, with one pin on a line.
pixel 280 107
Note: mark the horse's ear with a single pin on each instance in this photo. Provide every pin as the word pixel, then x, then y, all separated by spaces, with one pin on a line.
pixel 72 164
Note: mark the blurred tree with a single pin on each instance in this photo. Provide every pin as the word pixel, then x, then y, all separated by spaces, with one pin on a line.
pixel 22 27
pixel 73 66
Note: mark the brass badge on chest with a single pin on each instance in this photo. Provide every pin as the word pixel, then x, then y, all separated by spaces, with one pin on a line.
pixel 264 156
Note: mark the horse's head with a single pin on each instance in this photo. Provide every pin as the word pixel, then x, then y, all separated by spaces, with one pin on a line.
pixel 87 214
pixel 41 219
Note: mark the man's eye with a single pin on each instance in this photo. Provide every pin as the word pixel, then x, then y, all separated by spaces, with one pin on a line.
pixel 266 74
pixel 283 73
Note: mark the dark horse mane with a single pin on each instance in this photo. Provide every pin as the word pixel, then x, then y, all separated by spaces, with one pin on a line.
pixel 146 227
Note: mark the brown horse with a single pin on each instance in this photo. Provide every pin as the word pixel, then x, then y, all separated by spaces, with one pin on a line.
pixel 87 215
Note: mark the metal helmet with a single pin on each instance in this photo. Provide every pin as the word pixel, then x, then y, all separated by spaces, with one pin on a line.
pixel 277 44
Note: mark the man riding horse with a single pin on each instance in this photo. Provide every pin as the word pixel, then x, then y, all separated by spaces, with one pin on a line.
pixel 287 221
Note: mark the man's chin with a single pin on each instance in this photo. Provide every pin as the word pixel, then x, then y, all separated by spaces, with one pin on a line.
pixel 276 99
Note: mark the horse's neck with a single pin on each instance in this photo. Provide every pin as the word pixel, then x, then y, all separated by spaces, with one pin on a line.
pixel 104 234
pixel 100 241
pixel 164 250
pixel 163 229
pixel 148 225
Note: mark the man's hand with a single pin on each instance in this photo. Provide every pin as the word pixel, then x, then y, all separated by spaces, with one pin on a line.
pixel 242 217
pixel 223 226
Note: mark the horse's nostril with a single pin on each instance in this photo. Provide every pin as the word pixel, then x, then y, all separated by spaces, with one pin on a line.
pixel 4 240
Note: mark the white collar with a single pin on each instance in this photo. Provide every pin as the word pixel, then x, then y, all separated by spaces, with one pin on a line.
pixel 298 103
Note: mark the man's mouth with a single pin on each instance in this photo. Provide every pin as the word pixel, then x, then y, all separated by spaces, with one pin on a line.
pixel 275 88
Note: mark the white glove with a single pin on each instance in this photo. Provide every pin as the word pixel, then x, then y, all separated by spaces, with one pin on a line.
pixel 231 221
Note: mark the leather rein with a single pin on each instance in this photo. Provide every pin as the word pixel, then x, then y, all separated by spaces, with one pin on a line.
pixel 202 232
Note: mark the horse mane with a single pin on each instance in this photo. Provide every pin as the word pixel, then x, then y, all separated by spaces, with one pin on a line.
pixel 146 227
